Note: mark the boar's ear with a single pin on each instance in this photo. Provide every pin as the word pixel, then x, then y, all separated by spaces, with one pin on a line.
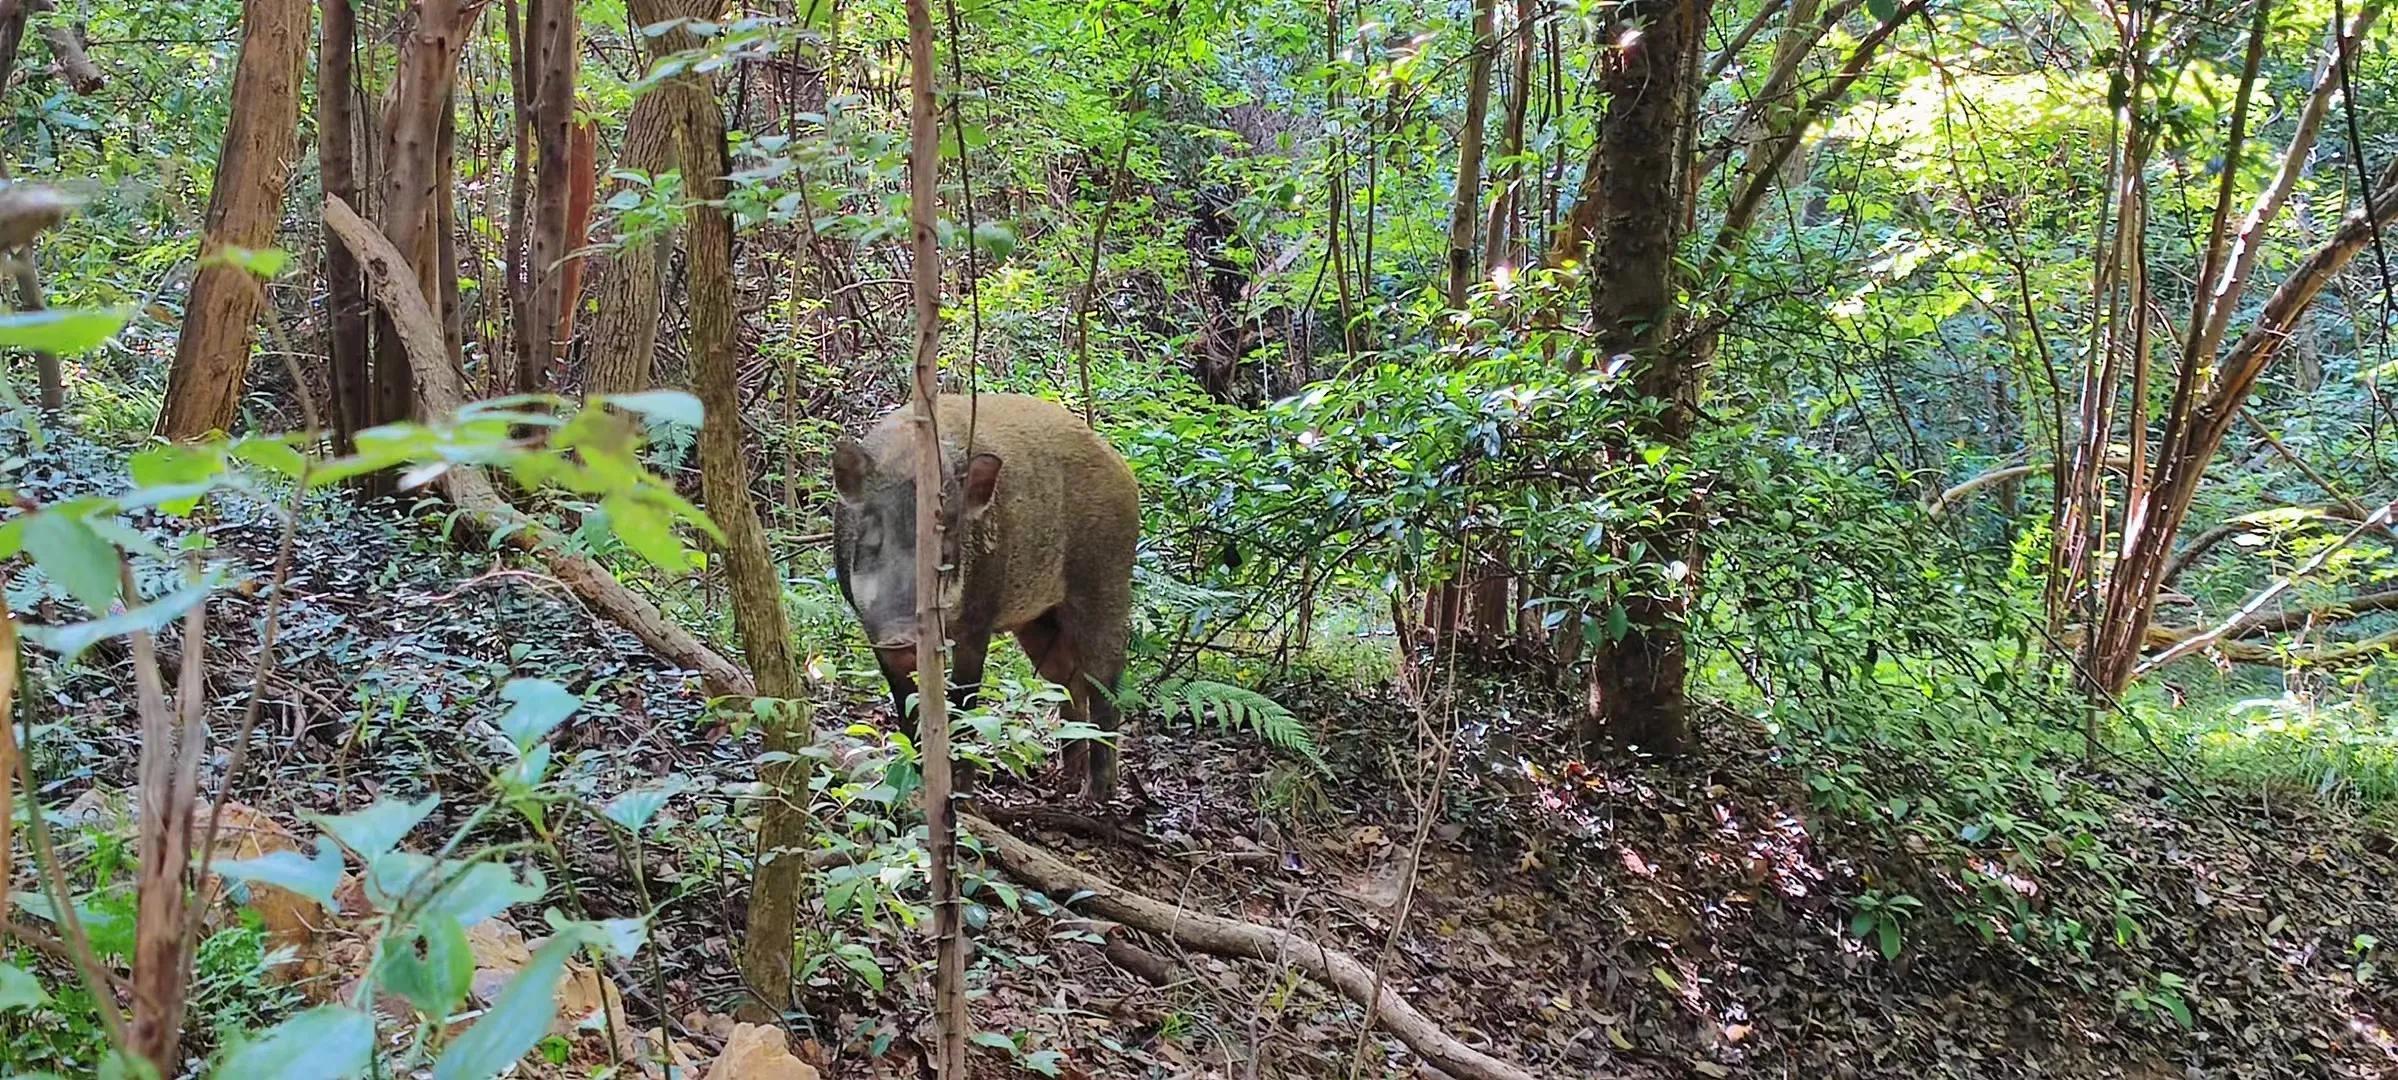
pixel 849 470
pixel 982 477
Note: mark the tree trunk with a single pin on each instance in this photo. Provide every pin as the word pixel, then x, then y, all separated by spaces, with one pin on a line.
pixel 441 271
pixel 756 584
pixel 2209 397
pixel 623 338
pixel 582 189
pixel 409 156
pixel 1499 245
pixel 521 337
pixel 1636 689
pixel 2131 590
pixel 1445 601
pixel 1496 579
pixel 550 61
pixel 213 354
pixel 932 668
pixel 337 163
pixel 1463 212
pixel 26 272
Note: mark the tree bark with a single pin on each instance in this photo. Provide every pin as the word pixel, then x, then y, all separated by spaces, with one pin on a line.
pixel 932 668
pixel 551 63
pixel 1637 682
pixel 212 355
pixel 409 156
pixel 623 337
pixel 337 164
pixel 1463 212
pixel 756 584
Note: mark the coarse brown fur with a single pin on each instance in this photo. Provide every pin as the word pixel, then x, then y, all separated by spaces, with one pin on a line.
pixel 1041 517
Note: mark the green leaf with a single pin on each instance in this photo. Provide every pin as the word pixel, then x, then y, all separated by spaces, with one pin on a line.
pixel 671 406
pixel 331 1042
pixel 2172 1003
pixel 70 640
pixel 861 962
pixel 62 331
pixel 120 1066
pixel 265 263
pixel 995 1041
pixel 1882 10
pixel 467 892
pixel 75 557
pixel 648 530
pixel 1887 932
pixel 431 965
pixel 516 1021
pixel 272 454
pixel 371 832
pixel 634 809
pixel 1045 1062
pixel 188 469
pixel 19 989
pixel 995 240
pixel 620 937
pixel 535 708
pixel 313 877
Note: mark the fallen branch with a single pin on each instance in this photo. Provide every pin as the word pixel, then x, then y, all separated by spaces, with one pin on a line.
pixel 1229 937
pixel 2275 622
pixel 2379 519
pixel 1942 503
pixel 2329 654
pixel 2253 522
pixel 1142 964
pixel 439 392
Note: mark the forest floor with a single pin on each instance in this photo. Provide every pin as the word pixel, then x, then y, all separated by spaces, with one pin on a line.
pixel 1582 920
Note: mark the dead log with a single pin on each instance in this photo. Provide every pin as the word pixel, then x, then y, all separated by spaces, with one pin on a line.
pixel 1231 937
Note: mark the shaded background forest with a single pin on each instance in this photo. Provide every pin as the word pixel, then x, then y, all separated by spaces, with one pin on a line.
pixel 1727 537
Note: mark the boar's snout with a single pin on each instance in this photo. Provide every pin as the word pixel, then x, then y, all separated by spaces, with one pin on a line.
pixel 896 658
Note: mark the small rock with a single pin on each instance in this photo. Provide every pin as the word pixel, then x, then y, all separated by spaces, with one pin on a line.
pixel 758 1052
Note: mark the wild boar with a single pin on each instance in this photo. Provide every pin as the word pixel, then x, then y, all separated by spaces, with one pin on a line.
pixel 1041 516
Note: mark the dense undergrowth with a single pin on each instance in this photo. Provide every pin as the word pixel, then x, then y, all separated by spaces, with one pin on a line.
pixel 1873 792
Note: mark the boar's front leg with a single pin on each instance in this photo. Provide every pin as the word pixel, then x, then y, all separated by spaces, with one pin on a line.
pixel 899 672
pixel 966 668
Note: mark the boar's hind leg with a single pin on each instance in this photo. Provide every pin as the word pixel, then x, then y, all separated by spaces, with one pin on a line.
pixel 1099 642
pixel 1052 654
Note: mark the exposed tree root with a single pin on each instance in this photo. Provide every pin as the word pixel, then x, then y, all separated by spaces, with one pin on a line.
pixel 1231 937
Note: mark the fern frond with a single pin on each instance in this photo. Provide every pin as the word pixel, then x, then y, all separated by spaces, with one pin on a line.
pixel 1232 706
